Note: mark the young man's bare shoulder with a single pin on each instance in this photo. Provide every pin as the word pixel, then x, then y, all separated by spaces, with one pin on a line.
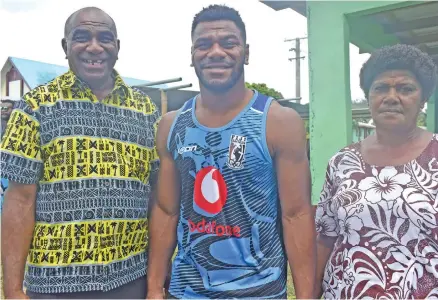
pixel 284 119
pixel 168 118
pixel 285 130
pixel 165 124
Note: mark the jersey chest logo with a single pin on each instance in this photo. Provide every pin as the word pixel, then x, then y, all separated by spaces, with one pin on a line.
pixel 236 152
pixel 210 191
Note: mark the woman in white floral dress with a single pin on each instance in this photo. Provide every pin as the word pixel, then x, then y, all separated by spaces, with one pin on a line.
pixel 377 219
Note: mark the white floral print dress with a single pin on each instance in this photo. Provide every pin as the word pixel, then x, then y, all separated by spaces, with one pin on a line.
pixel 386 223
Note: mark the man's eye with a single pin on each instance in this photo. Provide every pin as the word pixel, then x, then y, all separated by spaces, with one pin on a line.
pixel 106 38
pixel 80 38
pixel 203 46
pixel 228 44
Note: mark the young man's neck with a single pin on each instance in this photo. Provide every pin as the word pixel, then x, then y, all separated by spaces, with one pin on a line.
pixel 229 100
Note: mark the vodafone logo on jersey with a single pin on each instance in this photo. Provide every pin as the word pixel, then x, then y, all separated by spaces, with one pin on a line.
pixel 210 196
pixel 210 192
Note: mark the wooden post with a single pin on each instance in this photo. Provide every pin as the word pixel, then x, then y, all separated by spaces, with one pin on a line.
pixel 163 102
pixel 164 95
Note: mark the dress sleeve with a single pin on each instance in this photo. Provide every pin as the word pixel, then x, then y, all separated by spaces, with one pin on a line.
pixel 326 212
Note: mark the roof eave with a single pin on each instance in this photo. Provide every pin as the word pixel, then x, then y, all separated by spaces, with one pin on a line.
pixel 298 6
pixel 22 77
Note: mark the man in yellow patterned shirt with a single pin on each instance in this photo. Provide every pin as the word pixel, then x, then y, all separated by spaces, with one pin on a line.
pixel 79 153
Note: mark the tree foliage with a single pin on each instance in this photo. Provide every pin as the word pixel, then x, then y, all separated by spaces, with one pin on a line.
pixel 264 89
pixel 359 103
pixel 421 121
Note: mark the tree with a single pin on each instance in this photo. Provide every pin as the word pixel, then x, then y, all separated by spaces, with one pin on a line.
pixel 264 89
pixel 306 126
pixel 422 117
pixel 359 103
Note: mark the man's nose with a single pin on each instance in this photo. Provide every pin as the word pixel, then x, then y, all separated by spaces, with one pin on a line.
pixel 216 52
pixel 94 46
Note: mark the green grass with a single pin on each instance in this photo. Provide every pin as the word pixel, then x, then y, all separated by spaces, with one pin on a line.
pixel 290 286
pixel 1 272
pixel 1 283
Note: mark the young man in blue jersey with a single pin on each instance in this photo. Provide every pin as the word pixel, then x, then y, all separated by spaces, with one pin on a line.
pixel 234 182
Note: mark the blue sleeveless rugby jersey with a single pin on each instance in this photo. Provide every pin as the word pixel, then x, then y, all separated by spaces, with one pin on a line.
pixel 229 233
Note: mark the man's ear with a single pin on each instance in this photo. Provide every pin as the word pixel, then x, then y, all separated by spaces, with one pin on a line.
pixel 191 56
pixel 64 46
pixel 118 48
pixel 247 54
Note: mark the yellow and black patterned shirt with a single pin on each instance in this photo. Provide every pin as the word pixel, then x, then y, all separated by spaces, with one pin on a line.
pixel 92 161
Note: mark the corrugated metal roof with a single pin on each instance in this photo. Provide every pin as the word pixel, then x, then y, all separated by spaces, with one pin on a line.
pixel 36 73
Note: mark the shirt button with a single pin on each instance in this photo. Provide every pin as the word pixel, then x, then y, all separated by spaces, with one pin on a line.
pixel 107 184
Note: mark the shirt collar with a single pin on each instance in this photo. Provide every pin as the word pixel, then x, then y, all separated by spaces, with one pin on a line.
pixel 69 79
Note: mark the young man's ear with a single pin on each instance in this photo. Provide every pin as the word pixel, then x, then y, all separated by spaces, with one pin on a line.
pixel 247 54
pixel 64 46
pixel 191 56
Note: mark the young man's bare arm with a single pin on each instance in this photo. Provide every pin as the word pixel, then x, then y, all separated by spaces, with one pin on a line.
pixel 164 214
pixel 287 140
pixel 18 222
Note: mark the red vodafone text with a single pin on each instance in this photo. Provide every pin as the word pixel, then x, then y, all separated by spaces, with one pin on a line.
pixel 212 228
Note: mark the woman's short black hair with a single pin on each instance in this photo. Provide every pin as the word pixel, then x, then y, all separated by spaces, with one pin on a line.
pixel 400 57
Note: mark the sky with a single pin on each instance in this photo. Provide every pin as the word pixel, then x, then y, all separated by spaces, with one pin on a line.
pixel 155 38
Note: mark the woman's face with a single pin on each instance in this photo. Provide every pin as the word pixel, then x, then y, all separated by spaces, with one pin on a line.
pixel 395 99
